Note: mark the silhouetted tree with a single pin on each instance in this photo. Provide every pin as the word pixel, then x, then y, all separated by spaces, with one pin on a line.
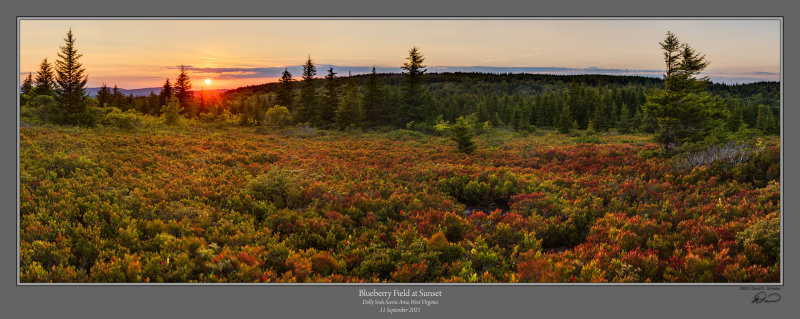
pixel 413 99
pixel 373 102
pixel 104 96
pixel 330 103
pixel 308 93
pixel 45 80
pixel 165 94
pixel 183 87
pixel 117 98
pixel 350 113
pixel 71 86
pixel 286 89
pixel 27 90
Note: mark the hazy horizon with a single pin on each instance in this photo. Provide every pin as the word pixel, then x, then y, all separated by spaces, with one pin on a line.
pixel 233 53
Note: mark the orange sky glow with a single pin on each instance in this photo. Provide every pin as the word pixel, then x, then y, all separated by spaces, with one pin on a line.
pixel 232 53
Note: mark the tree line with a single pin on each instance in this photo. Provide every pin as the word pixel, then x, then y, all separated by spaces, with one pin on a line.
pixel 420 101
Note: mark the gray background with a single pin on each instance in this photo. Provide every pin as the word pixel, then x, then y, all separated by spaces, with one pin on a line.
pixel 234 301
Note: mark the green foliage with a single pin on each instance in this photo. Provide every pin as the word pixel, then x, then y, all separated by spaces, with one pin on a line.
pixel 286 89
pixel 766 121
pixel 625 121
pixel 166 93
pixel 281 187
pixel 307 104
pixel 404 135
pixel 196 204
pixel 374 100
pixel 129 120
pixel 682 112
pixel 350 112
pixel 331 96
pixel 565 123
pixel 278 116
pixel 462 134
pixel 172 111
pixel 589 138
pixel 762 240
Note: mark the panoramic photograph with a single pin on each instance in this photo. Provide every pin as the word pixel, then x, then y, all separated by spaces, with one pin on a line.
pixel 472 151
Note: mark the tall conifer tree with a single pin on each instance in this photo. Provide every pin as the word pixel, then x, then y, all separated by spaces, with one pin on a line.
pixel 286 90
pixel 183 88
pixel 413 95
pixel 373 99
pixel 103 96
pixel 682 113
pixel 350 112
pixel 45 79
pixel 330 103
pixel 70 85
pixel 166 93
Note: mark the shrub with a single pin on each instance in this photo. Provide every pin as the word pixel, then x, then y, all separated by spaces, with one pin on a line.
pixel 279 186
pixel 128 120
pixel 207 117
pixel 323 263
pixel 404 135
pixel 462 134
pixel 65 166
pixel 278 116
pixel 588 138
pixel 533 266
pixel 764 233
pixel 172 111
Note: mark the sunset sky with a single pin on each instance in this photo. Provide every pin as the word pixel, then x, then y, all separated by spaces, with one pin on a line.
pixel 231 53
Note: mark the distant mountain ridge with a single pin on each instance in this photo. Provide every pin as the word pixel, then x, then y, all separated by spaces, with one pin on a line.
pixel 137 92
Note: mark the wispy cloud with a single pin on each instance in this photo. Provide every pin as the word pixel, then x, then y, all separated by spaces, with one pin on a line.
pixel 231 73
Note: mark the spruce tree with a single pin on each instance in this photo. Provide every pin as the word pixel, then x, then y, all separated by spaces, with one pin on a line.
pixel 27 90
pixel 286 89
pixel 308 93
pixel 117 98
pixel 462 134
pixel 45 80
pixel 413 98
pixel 350 112
pixel 103 96
pixel 565 123
pixel 27 84
pixel 737 117
pixel 70 86
pixel 625 122
pixel 183 88
pixel 373 101
pixel 330 103
pixel 152 104
pixel 683 113
pixel 166 93
pixel 765 121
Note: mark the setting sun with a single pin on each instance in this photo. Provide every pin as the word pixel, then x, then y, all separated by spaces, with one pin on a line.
pixel 208 81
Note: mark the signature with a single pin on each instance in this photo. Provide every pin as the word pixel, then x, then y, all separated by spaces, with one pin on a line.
pixel 762 297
